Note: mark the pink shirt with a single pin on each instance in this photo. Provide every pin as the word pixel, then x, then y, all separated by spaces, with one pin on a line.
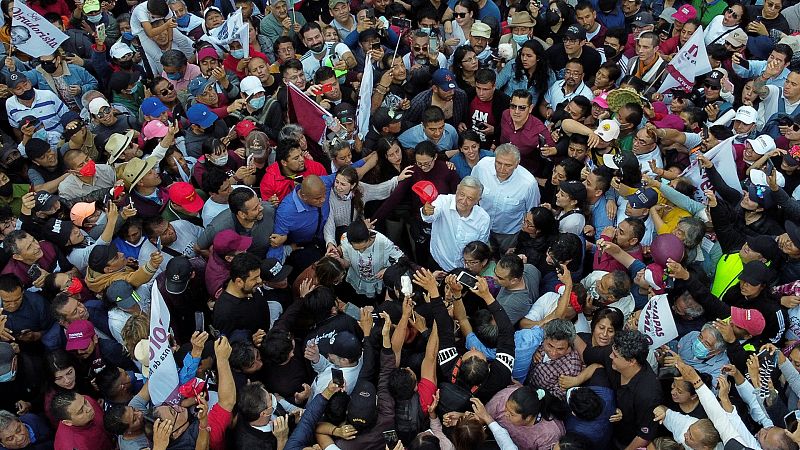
pixel 541 436
pixel 191 72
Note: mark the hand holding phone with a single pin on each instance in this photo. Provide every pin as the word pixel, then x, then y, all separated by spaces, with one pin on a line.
pixel 337 376
pixel 467 280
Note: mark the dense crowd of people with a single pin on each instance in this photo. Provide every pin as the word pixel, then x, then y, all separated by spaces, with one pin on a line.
pixel 397 224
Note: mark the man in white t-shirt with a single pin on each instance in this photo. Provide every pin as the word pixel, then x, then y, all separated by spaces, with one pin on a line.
pixel 319 53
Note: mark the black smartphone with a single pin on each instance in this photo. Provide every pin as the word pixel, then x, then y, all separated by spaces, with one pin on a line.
pixel 213 333
pixel 466 279
pixel 337 376
pixel 744 63
pixel 481 126
pixel 199 322
pixel 370 14
pixel 765 359
pixel 401 23
pixel 390 437
pixel 281 411
pixel 376 45
pixel 790 420
pixel 542 141
pixel 34 271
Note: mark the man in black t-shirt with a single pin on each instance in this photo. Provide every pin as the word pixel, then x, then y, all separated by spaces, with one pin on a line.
pixel 574 46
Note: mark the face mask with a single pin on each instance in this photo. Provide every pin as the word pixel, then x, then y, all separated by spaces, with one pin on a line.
pixel 27 95
pixel 238 53
pixel 95 19
pixel 592 291
pixel 552 17
pixel 40 134
pixel 7 189
pixel 520 38
pixel 49 66
pixel 88 170
pixel 128 36
pixel 257 103
pixel 221 161
pixel 75 287
pixel 175 76
pixel 183 22
pixel 426 30
pixel 609 51
pixel 8 376
pixel 699 350
pixel 16 166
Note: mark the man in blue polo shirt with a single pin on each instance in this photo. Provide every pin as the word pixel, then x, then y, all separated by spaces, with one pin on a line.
pixel 299 222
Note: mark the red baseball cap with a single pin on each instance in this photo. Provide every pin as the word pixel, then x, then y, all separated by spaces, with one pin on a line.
pixel 79 335
pixel 685 13
pixel 244 128
pixel 426 191
pixel 184 195
pixel 750 320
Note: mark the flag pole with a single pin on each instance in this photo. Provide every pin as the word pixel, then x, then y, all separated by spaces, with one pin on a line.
pixel 396 48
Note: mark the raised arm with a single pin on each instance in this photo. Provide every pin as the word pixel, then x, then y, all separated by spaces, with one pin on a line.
pixel 226 386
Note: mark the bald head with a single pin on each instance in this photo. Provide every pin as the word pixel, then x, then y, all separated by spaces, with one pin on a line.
pixel 313 191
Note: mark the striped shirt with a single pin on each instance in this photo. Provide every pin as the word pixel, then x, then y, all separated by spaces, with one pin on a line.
pixel 46 106
pixel 311 64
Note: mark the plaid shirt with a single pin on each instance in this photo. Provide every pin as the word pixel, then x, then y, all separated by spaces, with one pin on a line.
pixel 545 374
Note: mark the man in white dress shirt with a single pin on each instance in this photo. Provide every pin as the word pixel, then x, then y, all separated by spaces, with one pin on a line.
pixel 509 191
pixel 457 220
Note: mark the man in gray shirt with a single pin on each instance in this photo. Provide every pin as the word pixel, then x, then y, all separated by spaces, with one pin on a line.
pixel 519 284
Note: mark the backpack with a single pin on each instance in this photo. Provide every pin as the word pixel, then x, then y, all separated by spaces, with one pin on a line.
pixel 453 397
pixel 409 418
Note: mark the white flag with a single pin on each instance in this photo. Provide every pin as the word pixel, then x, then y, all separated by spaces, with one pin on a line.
pixel 690 61
pixel 32 33
pixel 163 380
pixel 228 31
pixel 722 158
pixel 656 321
pixel 365 99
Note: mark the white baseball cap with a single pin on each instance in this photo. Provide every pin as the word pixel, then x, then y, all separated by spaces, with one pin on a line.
pixel 251 85
pixel 97 104
pixel 759 178
pixel 119 50
pixel 608 130
pixel 762 144
pixel 746 114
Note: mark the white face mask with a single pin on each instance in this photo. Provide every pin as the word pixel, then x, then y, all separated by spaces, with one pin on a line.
pixel 221 161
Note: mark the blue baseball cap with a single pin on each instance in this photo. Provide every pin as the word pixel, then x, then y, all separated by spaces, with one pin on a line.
pixel 643 198
pixel 201 115
pixel 444 79
pixel 153 107
pixel 199 84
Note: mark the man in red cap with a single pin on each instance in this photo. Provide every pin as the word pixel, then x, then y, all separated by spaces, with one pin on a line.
pixel 95 353
pixel 184 204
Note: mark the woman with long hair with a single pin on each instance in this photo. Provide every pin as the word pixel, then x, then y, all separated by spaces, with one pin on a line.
pixel 539 231
pixel 465 64
pixel 469 428
pixel 469 152
pixel 465 13
pixel 348 197
pixel 64 375
pixel 529 71
pixel 571 200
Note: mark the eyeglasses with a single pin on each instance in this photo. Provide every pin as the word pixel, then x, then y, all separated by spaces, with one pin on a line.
pixel 167 89
pixel 471 262
pixel 708 86
pixel 460 15
pixel 424 48
pixel 517 107
pixel 470 59
pixel 423 165
pixel 104 111
pixel 733 13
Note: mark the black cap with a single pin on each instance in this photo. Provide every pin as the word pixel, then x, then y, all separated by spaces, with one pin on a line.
pixel 178 274
pixel 714 78
pixel 362 411
pixel 733 444
pixel 765 246
pixel 574 189
pixel 44 201
pixel 794 232
pixel 384 116
pixel 273 270
pixel 36 148
pixel 756 273
pixel 575 32
pixel 343 344
pixel 100 256
pixel 55 230
pixel 15 78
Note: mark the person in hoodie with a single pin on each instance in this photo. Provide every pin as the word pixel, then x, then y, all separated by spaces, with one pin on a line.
pixel 107 265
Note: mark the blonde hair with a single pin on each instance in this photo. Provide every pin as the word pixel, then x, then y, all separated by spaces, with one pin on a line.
pixel 135 329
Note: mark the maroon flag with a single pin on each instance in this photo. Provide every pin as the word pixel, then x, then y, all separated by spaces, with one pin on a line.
pixel 307 113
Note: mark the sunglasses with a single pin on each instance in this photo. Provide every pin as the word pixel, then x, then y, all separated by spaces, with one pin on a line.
pixel 460 15
pixel 424 48
pixel 733 13
pixel 708 86
pixel 518 107
pixel 167 90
